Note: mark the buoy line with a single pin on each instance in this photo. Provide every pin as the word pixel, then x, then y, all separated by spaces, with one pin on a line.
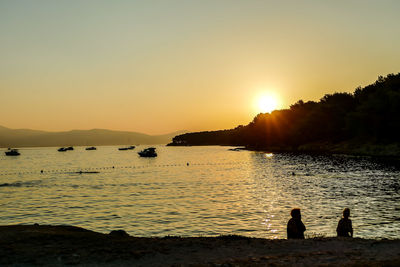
pixel 95 170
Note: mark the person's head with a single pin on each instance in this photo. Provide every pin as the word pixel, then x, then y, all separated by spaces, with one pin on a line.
pixel 295 213
pixel 346 213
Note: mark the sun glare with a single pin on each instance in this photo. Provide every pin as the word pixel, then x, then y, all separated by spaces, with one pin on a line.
pixel 267 103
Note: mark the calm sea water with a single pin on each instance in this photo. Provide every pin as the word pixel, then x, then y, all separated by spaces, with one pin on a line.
pixel 217 192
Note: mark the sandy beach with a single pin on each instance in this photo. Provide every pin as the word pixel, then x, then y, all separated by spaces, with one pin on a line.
pixel 29 245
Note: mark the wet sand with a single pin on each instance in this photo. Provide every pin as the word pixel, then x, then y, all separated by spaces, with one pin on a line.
pixel 29 245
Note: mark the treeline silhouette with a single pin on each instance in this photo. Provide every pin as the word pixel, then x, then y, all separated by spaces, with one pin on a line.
pixel 369 115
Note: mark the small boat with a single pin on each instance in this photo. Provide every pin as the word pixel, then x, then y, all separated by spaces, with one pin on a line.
pixel 90 148
pixel 148 152
pixel 236 149
pixel 12 152
pixel 70 148
pixel 62 149
pixel 126 148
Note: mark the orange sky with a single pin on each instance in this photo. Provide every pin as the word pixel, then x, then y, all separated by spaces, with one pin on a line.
pixel 171 65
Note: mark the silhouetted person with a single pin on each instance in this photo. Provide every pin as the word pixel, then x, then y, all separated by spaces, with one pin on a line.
pixel 344 227
pixel 295 227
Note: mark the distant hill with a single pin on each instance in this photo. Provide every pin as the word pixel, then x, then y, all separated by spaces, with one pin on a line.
pixel 95 137
pixel 366 122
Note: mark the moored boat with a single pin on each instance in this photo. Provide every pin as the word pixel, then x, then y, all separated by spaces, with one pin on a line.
pixel 236 149
pixel 91 148
pixel 12 152
pixel 126 148
pixel 62 149
pixel 148 152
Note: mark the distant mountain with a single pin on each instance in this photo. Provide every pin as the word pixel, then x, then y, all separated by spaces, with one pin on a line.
pixel 95 137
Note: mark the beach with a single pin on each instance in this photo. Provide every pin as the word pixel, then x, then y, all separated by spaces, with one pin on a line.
pixel 46 245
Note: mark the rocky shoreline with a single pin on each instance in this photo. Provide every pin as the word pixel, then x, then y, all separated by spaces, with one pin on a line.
pixel 46 245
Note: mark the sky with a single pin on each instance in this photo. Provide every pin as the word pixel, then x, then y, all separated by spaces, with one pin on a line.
pixel 161 66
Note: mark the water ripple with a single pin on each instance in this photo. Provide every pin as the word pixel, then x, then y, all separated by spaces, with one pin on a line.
pixel 219 192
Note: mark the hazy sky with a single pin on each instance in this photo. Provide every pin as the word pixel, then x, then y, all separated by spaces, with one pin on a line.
pixel 161 66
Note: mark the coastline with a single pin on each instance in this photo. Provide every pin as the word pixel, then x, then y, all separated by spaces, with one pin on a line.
pixel 356 149
pixel 46 245
pixel 389 151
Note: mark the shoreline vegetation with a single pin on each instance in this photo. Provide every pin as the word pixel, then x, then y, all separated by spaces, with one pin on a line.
pixel 365 123
pixel 46 245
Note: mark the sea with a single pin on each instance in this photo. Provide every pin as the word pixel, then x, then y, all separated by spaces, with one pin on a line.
pixel 199 191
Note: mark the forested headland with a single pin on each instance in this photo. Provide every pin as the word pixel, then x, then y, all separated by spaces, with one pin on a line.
pixel 366 122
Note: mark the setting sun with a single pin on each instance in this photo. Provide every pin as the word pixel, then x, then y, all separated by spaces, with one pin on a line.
pixel 267 103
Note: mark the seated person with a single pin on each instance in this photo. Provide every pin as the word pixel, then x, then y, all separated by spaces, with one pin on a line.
pixel 344 227
pixel 295 227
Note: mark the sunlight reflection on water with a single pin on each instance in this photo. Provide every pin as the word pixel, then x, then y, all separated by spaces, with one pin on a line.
pixel 219 192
